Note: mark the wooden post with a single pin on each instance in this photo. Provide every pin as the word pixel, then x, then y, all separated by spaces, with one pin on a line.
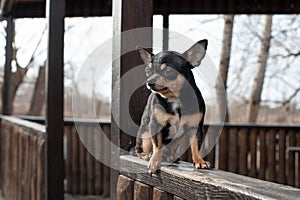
pixel 55 12
pixel 127 14
pixel 6 109
pixel 166 32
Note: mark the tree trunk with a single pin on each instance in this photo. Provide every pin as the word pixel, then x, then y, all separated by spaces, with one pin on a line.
pixel 221 84
pixel 254 103
pixel 38 97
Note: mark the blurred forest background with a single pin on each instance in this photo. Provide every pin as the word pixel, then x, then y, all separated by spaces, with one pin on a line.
pixel 258 58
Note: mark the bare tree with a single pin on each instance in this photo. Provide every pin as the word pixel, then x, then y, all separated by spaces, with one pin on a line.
pixel 224 66
pixel 254 103
pixel 38 98
pixel 17 78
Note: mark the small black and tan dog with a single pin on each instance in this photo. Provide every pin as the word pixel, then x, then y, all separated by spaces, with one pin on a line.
pixel 175 109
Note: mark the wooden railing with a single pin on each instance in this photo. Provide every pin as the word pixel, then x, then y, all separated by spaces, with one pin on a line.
pixel 258 151
pixel 182 181
pixel 22 159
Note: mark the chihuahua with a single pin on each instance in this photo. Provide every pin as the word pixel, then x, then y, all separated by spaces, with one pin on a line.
pixel 175 109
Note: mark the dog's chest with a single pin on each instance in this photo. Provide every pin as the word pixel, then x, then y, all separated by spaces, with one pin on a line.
pixel 174 125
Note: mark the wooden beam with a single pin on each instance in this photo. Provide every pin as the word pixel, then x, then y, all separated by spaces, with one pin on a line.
pixel 128 14
pixel 166 32
pixel 184 181
pixel 6 109
pixel 55 12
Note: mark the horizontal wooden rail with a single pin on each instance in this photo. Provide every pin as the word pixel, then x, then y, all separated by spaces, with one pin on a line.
pixel 182 180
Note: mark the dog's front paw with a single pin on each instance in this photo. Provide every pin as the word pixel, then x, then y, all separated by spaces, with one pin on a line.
pixel 155 162
pixel 201 164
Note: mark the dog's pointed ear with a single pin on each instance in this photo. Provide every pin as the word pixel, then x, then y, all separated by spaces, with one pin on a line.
pixel 145 55
pixel 196 53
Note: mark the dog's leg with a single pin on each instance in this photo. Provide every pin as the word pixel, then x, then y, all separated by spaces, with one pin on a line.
pixel 156 157
pixel 197 160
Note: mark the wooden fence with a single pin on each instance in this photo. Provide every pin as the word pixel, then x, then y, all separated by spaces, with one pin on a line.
pixel 22 159
pixel 181 181
pixel 258 151
pixel 84 174
pixel 261 151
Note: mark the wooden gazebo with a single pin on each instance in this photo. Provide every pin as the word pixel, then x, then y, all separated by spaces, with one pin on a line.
pixel 127 14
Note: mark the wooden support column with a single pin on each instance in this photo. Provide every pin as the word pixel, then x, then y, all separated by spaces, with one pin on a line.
pixel 6 108
pixel 55 12
pixel 166 32
pixel 128 14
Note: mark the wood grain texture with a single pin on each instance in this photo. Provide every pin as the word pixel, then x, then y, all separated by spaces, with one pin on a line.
pixel 142 191
pixel 125 189
pixel 159 194
pixel 184 181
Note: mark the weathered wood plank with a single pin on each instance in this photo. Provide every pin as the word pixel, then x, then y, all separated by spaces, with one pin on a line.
pixel 233 151
pixel 161 195
pixel 98 167
pixel 184 181
pixel 253 152
pixel 106 169
pixel 68 163
pixel 263 157
pixel 125 188
pixel 82 162
pixel 271 155
pixel 142 191
pixel 74 161
pixel 90 161
pixel 223 149
pixel 243 151
pixel 291 161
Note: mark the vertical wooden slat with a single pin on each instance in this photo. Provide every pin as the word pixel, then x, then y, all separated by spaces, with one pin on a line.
pixel 253 152
pixel 33 181
pixel 68 161
pixel 177 198
pixel 55 13
pixel 298 166
pixel 291 162
pixel 82 163
pixel 142 191
pixel 75 161
pixel 263 157
pixel 282 157
pixel 21 166
pixel 243 151
pixel 271 155
pixel 223 149
pixel 106 169
pixel 90 161
pixel 161 195
pixel 14 166
pixel 41 169
pixel 6 109
pixel 98 166
pixel 233 151
pixel 125 188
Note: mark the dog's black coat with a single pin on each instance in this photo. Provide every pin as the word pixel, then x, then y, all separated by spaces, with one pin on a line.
pixel 175 97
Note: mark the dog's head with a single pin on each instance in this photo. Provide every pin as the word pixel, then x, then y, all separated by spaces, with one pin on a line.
pixel 167 71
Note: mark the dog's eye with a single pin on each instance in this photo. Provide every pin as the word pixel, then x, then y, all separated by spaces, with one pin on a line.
pixel 148 72
pixel 169 71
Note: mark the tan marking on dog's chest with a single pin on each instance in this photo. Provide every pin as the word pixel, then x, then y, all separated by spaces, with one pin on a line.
pixel 163 117
pixel 191 120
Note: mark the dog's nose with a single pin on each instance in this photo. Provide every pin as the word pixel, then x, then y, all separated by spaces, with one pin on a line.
pixel 151 82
